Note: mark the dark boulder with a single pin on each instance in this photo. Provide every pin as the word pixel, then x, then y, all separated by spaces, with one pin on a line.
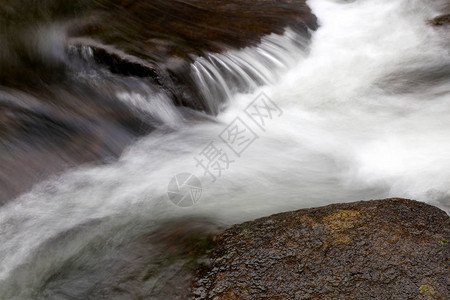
pixel 385 249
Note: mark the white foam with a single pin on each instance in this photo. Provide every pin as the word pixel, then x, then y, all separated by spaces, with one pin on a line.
pixel 346 134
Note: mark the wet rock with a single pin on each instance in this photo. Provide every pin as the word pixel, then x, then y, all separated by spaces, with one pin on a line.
pixel 50 121
pixel 163 37
pixel 155 263
pixel 161 30
pixel 117 61
pixel 441 20
pixel 384 249
pixel 39 138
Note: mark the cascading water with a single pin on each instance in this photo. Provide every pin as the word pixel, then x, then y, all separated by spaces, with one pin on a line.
pixel 221 76
pixel 364 115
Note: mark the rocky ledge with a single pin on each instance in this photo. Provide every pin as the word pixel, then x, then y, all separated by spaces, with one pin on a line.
pixel 50 120
pixel 384 249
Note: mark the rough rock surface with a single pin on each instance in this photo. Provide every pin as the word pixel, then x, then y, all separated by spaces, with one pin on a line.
pixel 51 121
pixel 384 249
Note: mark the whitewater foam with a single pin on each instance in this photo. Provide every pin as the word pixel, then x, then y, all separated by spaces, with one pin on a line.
pixel 346 134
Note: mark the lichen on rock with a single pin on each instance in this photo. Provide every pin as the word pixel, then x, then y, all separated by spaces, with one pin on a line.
pixel 427 290
pixel 383 249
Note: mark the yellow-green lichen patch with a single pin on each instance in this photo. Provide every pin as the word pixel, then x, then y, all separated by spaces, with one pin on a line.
pixel 427 290
pixel 341 239
pixel 443 242
pixel 341 220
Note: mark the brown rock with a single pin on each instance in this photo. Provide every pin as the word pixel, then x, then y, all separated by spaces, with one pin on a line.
pixel 163 37
pixel 384 249
pixel 50 122
pixel 161 29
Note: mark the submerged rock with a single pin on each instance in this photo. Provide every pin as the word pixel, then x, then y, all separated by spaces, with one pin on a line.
pixel 384 249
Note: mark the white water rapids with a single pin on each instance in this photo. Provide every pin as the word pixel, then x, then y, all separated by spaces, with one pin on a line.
pixel 366 111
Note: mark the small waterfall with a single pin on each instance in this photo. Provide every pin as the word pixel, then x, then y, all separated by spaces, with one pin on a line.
pixel 220 76
pixel 346 134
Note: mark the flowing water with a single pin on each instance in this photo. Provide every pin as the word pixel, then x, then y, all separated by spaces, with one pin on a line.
pixel 363 114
